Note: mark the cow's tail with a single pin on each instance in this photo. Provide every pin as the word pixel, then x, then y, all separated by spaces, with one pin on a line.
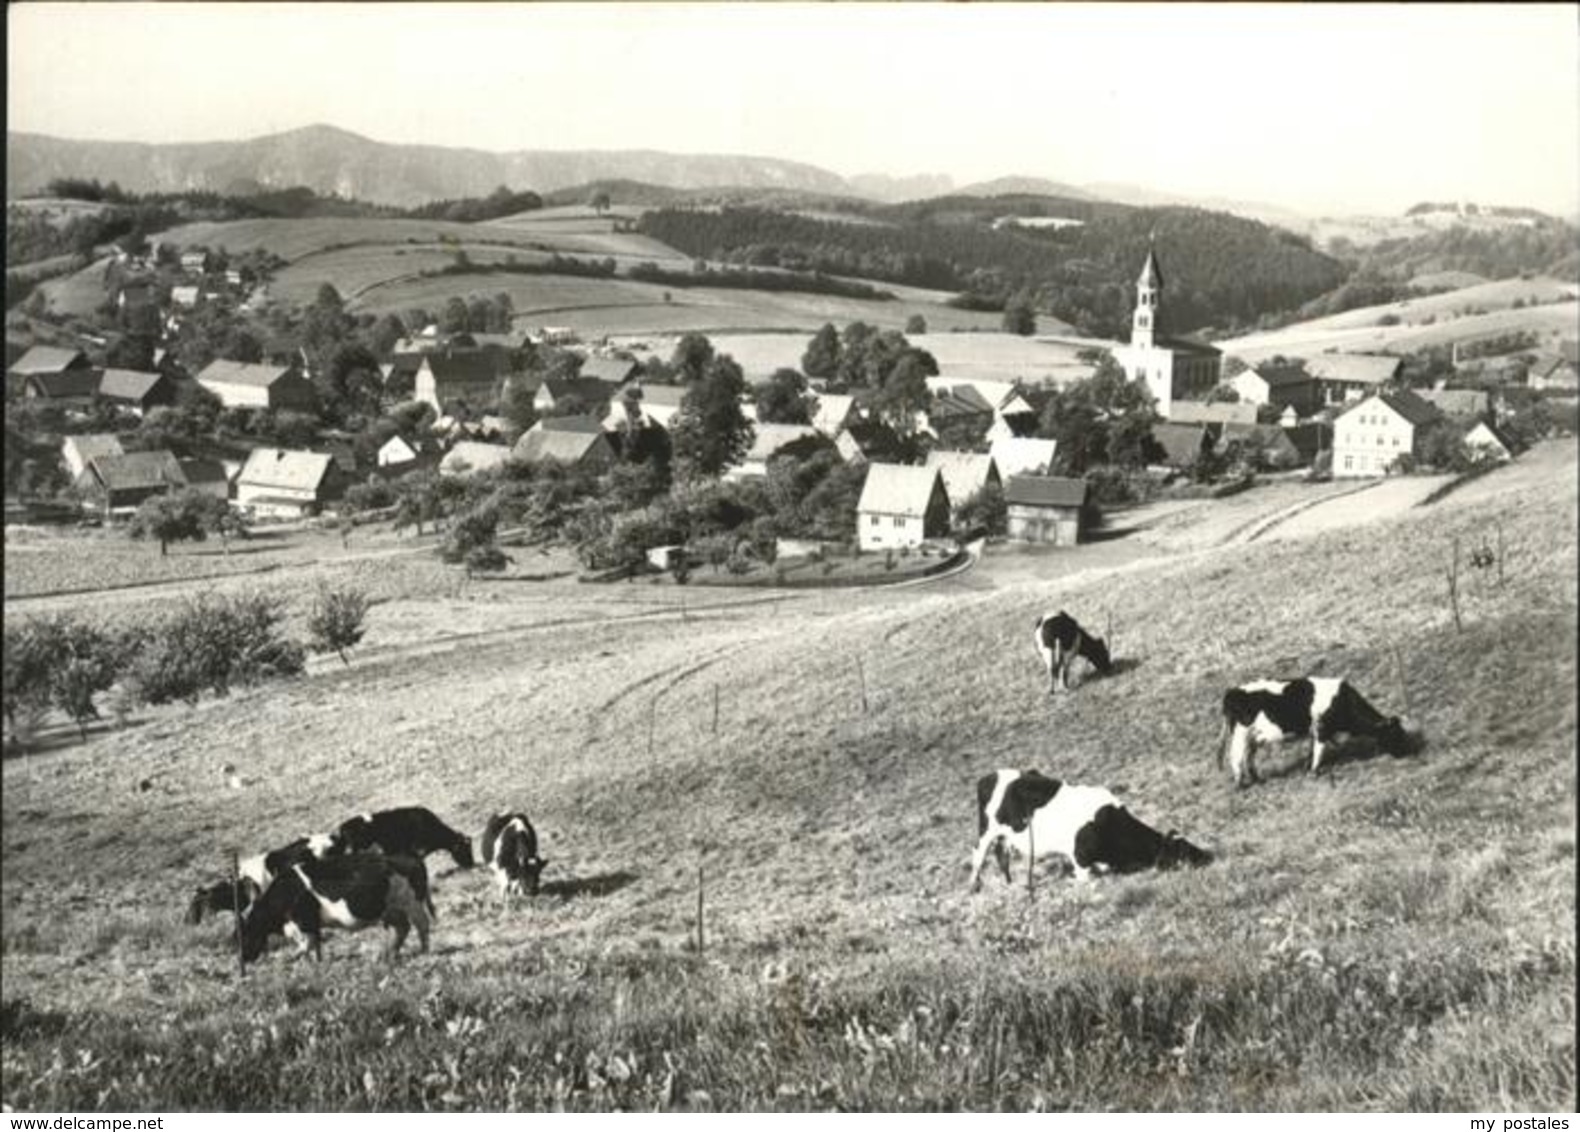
pixel 1224 730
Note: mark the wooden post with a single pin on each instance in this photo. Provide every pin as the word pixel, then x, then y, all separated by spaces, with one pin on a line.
pixel 1453 588
pixel 1031 861
pixel 702 942
pixel 235 906
pixel 861 675
pixel 1500 554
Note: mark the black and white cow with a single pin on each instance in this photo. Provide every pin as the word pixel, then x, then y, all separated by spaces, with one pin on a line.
pixel 1060 639
pixel 351 892
pixel 256 872
pixel 1270 711
pixel 1027 811
pixel 510 850
pixel 410 830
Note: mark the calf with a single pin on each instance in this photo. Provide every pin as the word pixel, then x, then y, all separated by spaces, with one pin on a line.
pixel 1029 811
pixel 1060 639
pixel 351 892
pixel 412 831
pixel 255 873
pixel 510 850
pixel 1270 711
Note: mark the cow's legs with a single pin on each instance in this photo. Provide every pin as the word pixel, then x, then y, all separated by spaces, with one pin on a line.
pixel 1241 750
pixel 979 858
pixel 422 922
pixel 1320 737
pixel 1001 852
pixel 400 925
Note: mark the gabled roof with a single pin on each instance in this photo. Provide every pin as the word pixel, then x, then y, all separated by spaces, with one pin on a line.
pixel 587 426
pixel 896 489
pixel 285 469
pixel 92 445
pixel 1044 491
pixel 477 457
pixel 1218 412
pixel 1457 402
pixel 871 438
pixel 225 372
pixel 770 438
pixel 137 471
pixel 1402 401
pixel 1357 369
pixel 461 367
pixel 198 471
pixel 537 445
pixel 615 370
pixel 1494 433
pixel 1023 455
pixel 959 401
pixel 1181 443
pixel 1184 344
pixel 832 411
pixel 591 391
pixel 65 383
pixel 1150 275
pixel 49 359
pixel 128 384
pixel 965 473
pixel 1282 377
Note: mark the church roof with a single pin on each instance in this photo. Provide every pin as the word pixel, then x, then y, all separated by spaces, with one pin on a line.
pixel 1150 275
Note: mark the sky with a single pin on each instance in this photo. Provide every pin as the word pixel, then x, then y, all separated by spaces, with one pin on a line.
pixel 1317 107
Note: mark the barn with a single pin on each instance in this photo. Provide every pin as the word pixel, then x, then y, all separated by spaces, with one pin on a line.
pixel 1045 509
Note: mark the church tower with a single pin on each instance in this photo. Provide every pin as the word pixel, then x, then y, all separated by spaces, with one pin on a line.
pixel 1149 294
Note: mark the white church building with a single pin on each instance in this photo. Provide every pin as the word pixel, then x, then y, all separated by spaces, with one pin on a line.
pixel 1173 368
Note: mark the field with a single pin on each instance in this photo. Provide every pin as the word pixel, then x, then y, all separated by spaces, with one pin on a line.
pixel 1430 320
pixel 1399 936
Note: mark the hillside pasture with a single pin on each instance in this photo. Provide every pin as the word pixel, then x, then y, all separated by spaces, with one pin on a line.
pixel 1399 936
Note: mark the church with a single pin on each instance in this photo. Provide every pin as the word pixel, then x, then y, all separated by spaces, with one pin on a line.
pixel 1175 369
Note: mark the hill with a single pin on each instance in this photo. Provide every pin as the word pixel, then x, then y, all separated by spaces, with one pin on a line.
pixel 1022 186
pixel 330 160
pixel 1399 936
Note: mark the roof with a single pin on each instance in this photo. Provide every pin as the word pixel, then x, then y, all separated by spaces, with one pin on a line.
pixel 614 370
pixel 897 489
pixel 965 473
pixel 128 384
pixel 463 367
pixel 1569 350
pixel 137 471
pixel 587 426
pixel 1045 491
pixel 1402 401
pixel 477 457
pixel 1150 275
pixel 1183 344
pixel 960 401
pixel 1023 455
pixel 536 446
pixel 204 471
pixel 1457 402
pixel 285 469
pixel 770 438
pixel 93 444
pixel 1217 412
pixel 592 391
pixel 1280 377
pixel 1493 432
pixel 1181 443
pixel 66 383
pixel 870 438
pixel 1359 369
pixel 832 409
pixel 225 372
pixel 48 359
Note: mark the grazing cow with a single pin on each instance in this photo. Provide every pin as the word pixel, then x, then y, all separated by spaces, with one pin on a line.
pixel 350 892
pixel 1270 711
pixel 1031 812
pixel 510 850
pixel 221 897
pixel 1060 639
pixel 409 830
pixel 255 874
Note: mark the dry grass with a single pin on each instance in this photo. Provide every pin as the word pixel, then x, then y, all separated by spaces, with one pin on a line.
pixel 1400 935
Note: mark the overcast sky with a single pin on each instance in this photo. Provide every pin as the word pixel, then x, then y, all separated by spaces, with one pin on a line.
pixel 1312 106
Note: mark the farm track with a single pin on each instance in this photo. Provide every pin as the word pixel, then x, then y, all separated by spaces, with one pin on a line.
pixel 1259 527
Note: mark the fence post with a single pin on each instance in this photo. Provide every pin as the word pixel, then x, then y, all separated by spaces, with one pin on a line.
pixel 1500 554
pixel 1398 671
pixel 1453 587
pixel 702 942
pixel 235 905
pixel 861 675
pixel 1031 861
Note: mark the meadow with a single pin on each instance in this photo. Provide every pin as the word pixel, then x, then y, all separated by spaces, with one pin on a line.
pixel 1396 935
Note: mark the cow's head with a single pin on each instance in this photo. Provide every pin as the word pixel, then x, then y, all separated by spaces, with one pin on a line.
pixel 1097 653
pixel 461 851
pixel 267 916
pixel 525 871
pixel 1176 851
pixel 1394 738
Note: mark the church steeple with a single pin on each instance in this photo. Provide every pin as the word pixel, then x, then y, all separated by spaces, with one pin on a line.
pixel 1149 294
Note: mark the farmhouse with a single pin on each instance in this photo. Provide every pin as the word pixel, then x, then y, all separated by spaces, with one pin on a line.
pixel 194 261
pixel 117 485
pixel 959 407
pixel 184 296
pixel 965 473
pixel 862 441
pixel 1371 435
pixel 1285 386
pixel 641 405
pixel 1562 372
pixel 246 385
pixel 136 390
pixel 41 360
pixel 77 451
pixel 1349 377
pixel 1485 439
pixel 1172 367
pixel 1218 412
pixel 466 377
pixel 834 411
pixel 613 372
pixel 587 450
pixel 1023 456
pixel 56 374
pixel 207 476
pixel 767 439
pixel 1045 509
pixel 901 506
pixel 1182 445
pixel 285 484
pixel 469 456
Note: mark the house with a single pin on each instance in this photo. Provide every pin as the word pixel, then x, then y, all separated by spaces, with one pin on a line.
pixel 77 451
pixel 284 484
pixel 1459 404
pixel 1216 412
pixel 642 404
pixel 394 452
pixel 136 390
pixel 1045 509
pixel 43 360
pixel 72 389
pixel 1284 386
pixel 447 377
pixel 251 386
pixel 590 451
pixel 58 374
pixel 184 296
pixel 1182 445
pixel 207 476
pixel 1263 446
pixel 194 261
pixel 1308 439
pixel 965 473
pixel 901 506
pixel 768 439
pixel 1173 367
pixel 1371 435
pixel 1023 456
pixel 613 372
pixel 862 441
pixel 1487 440
pixel 834 411
pixel 590 393
pixel 117 485
pixel 471 456
pixel 1349 377
pixel 960 406
pixel 400 372
pixel 1561 372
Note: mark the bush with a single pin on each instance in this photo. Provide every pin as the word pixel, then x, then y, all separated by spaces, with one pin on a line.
pixel 214 642
pixel 337 620
pixel 486 559
pixel 58 661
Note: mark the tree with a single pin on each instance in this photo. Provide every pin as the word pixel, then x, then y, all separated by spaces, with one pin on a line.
pixel 600 201
pixel 1105 418
pixel 172 517
pixel 904 393
pixel 710 431
pixel 692 355
pixel 456 318
pixel 337 621
pixel 1019 317
pixel 785 399
pixel 822 355
pixel 1225 393
pixel 986 511
pixel 916 324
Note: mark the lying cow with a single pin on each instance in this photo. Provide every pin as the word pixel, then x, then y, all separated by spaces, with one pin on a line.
pixel 1270 711
pixel 1060 639
pixel 1027 811
pixel 510 850
pixel 411 831
pixel 255 873
pixel 352 892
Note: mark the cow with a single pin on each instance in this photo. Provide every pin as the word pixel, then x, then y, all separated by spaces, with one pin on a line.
pixel 351 892
pixel 1027 811
pixel 255 873
pixel 510 850
pixel 412 831
pixel 1270 711
pixel 1060 639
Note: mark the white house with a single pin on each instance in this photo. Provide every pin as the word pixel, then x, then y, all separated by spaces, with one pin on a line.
pixel 1485 440
pixel 395 451
pixel 901 506
pixel 965 473
pixel 1023 456
pixel 833 412
pixel 281 483
pixel 1371 435
pixel 247 385
pixel 645 404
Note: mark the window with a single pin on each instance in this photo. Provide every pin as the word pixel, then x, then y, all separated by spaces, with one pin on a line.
pixel 1396 442
pixel 1349 462
pixel 1379 440
pixel 875 520
pixel 898 521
